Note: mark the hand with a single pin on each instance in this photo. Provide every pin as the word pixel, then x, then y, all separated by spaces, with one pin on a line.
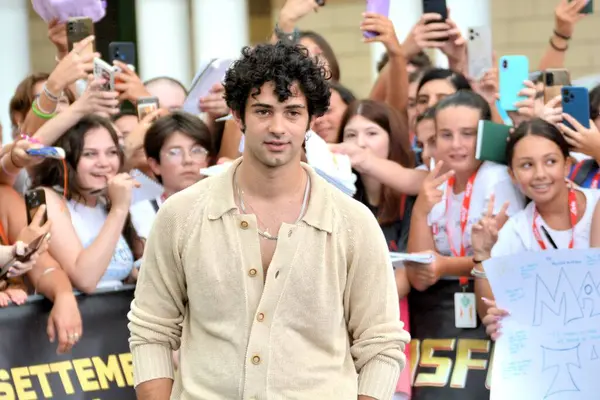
pixel 424 34
pixel 583 140
pixel 484 233
pixel 293 10
pixel 120 188
pixel 73 67
pixel 129 84
pixel 529 108
pixel 19 157
pixel 423 276
pixel 567 14
pixel 430 195
pixel 552 111
pixel 386 33
pixel 487 86
pixel 16 295
pixel 57 33
pixel 492 319
pixel 214 103
pixel 455 48
pixel 94 100
pixel 28 235
pixel 64 320
pixel 360 157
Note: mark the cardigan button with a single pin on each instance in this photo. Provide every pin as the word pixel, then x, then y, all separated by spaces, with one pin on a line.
pixel 256 360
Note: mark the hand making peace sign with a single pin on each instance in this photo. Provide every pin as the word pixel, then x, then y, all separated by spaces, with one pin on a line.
pixel 430 193
pixel 484 233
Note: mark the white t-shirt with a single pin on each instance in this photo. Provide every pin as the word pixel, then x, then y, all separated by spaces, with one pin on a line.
pixel 143 214
pixel 516 236
pixel 491 179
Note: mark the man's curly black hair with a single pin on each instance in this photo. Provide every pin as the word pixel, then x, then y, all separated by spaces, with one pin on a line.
pixel 283 65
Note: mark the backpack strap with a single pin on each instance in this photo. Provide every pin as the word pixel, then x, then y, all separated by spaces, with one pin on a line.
pixel 581 171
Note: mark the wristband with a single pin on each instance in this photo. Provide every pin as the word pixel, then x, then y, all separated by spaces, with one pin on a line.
pixel 560 35
pixel 40 113
pixel 555 47
pixel 50 95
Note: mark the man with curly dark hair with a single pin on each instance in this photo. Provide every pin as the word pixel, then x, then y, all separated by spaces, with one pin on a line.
pixel 275 284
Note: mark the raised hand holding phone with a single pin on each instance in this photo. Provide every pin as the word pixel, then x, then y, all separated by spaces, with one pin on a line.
pixel 583 139
pixel 429 33
pixel 120 189
pixel 128 83
pixel 76 65
pixel 379 28
pixel 95 100
pixel 430 194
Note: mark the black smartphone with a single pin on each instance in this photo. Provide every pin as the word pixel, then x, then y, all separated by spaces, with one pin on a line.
pixel 121 51
pixel 33 200
pixel 29 251
pixel 437 7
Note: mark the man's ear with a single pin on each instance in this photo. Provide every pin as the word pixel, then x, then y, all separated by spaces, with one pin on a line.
pixel 154 166
pixel 238 120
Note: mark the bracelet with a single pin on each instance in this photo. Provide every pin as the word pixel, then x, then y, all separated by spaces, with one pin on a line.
pixel 555 47
pixel 51 95
pixel 3 165
pixel 39 113
pixel 39 106
pixel 560 35
pixel 478 274
pixel 30 139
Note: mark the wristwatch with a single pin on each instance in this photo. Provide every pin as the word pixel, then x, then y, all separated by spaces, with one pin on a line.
pixel 286 37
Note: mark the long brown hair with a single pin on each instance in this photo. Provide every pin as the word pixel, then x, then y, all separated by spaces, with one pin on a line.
pixel 50 173
pixel 390 120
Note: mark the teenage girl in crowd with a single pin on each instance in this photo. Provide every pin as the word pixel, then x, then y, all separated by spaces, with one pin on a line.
pixel 446 209
pixel 558 216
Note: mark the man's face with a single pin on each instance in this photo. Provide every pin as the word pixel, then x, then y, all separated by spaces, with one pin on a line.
pixel 170 96
pixel 275 131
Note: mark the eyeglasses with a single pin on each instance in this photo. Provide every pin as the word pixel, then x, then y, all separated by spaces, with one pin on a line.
pixel 196 153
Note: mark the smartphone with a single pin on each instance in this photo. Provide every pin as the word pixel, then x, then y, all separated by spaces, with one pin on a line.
pixel 554 80
pixel 437 7
pixel 381 7
pixel 512 71
pixel 576 103
pixel 479 51
pixel 121 51
pixel 146 105
pixel 78 28
pixel 29 251
pixel 103 70
pixel 33 200
pixel 588 9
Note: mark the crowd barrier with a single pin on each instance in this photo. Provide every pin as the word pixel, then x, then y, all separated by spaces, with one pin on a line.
pixel 98 368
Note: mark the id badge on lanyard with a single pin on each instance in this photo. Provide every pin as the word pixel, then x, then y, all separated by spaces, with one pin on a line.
pixel 465 313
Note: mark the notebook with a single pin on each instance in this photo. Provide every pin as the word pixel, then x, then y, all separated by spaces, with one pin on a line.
pixel 491 142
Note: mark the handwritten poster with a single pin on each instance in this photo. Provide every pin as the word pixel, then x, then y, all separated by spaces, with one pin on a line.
pixel 550 343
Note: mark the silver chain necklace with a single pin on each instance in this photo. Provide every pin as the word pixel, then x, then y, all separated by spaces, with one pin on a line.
pixel 266 234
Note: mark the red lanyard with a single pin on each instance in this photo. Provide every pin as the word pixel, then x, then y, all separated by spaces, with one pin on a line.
pixel 572 215
pixel 595 179
pixel 464 217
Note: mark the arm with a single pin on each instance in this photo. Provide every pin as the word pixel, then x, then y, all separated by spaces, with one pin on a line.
pixel 85 267
pixel 374 326
pixel 595 231
pixel 158 307
pixel 391 174
pixel 230 143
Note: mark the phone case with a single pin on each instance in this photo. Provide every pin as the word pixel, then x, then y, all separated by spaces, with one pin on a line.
pixel 513 71
pixel 33 200
pixel 479 46
pixel 491 141
pixel 588 9
pixel 146 105
pixel 436 6
pixel 576 103
pixel 554 80
pixel 381 7
pixel 121 51
pixel 79 28
pixel 104 70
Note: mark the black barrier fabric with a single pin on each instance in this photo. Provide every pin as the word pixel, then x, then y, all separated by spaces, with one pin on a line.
pixel 447 363
pixel 99 367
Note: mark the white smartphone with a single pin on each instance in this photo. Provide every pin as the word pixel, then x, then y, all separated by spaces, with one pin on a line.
pixel 104 70
pixel 479 50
